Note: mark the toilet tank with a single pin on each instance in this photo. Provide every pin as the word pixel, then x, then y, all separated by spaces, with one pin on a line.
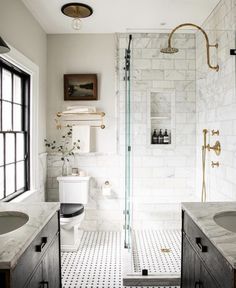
pixel 73 189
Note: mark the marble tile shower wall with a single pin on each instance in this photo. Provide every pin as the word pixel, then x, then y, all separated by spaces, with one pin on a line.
pixel 216 102
pixel 162 177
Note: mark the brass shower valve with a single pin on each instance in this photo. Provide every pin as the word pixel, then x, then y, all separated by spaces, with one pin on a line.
pixel 215 164
pixel 216 148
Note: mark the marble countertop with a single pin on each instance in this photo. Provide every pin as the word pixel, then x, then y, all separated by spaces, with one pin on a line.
pixel 202 214
pixel 13 244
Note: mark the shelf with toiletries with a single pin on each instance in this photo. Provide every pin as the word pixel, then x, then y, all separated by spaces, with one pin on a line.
pixel 161 125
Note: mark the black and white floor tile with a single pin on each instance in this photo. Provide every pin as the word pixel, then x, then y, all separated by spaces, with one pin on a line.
pixel 97 263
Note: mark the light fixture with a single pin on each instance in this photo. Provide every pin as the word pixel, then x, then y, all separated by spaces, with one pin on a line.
pixel 76 11
pixel 3 46
pixel 171 50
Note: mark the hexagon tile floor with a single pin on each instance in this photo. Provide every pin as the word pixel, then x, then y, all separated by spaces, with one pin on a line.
pixel 97 263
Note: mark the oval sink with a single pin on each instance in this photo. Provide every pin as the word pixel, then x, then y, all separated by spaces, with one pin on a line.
pixel 12 220
pixel 226 220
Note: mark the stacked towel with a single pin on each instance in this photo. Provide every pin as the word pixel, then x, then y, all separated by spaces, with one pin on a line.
pixel 81 109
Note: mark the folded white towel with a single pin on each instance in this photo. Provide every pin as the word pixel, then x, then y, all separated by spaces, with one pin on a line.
pixel 82 108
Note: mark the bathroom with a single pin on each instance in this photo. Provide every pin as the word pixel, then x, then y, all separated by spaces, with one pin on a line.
pixel 147 189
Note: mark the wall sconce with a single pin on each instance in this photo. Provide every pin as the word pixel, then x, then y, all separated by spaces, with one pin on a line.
pixel 76 11
pixel 3 46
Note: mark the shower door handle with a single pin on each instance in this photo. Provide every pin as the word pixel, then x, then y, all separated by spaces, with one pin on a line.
pixel 203 248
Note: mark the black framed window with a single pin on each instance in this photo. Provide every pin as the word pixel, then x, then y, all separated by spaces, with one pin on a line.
pixel 14 131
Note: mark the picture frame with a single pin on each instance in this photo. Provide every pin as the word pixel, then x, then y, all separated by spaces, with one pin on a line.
pixel 80 87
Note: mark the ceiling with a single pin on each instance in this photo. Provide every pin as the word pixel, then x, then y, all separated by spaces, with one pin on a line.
pixel 122 15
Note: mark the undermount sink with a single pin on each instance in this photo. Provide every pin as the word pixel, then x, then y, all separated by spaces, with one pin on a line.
pixel 12 220
pixel 226 220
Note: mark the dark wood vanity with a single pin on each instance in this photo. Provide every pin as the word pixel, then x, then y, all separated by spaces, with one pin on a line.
pixel 39 266
pixel 203 266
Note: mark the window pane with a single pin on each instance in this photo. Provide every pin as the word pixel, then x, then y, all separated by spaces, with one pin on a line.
pixel 20 175
pixel 10 179
pixel 17 89
pixel 17 118
pixel 10 148
pixel 1 183
pixel 6 85
pixel 20 140
pixel 6 116
pixel 1 150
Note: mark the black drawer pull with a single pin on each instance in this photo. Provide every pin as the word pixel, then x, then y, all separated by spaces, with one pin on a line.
pixel 39 248
pixel 198 284
pixel 44 284
pixel 199 244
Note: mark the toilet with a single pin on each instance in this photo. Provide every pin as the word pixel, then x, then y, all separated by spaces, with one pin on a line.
pixel 73 194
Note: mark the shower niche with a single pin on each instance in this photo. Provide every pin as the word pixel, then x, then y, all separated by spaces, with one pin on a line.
pixel 161 124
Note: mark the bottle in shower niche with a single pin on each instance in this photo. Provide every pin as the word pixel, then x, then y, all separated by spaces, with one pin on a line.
pixel 154 137
pixel 166 138
pixel 160 138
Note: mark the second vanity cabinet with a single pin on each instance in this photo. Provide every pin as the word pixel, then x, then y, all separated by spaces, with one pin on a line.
pixel 39 266
pixel 203 266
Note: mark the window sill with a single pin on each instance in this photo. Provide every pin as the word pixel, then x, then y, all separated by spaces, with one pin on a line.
pixel 24 196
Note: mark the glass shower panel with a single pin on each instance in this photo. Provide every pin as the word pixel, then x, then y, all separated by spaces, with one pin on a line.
pixel 128 168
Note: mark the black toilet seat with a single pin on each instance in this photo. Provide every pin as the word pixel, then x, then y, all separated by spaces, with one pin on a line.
pixel 69 210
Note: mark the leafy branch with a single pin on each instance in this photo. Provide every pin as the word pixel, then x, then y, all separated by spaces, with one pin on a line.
pixel 64 147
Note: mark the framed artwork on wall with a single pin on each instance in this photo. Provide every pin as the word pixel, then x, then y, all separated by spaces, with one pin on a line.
pixel 80 87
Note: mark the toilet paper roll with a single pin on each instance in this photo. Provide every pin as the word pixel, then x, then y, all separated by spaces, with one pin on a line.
pixel 106 189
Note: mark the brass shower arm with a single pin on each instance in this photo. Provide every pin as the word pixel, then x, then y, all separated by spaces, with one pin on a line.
pixel 207 42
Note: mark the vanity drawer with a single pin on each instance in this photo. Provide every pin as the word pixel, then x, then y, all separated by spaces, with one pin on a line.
pixel 34 253
pixel 220 269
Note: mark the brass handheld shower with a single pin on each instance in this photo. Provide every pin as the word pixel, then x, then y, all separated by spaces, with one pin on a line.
pixel 171 50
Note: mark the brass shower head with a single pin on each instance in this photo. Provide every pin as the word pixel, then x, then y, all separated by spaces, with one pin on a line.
pixel 171 50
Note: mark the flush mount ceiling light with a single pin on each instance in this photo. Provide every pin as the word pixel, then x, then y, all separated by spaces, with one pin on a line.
pixel 3 46
pixel 76 11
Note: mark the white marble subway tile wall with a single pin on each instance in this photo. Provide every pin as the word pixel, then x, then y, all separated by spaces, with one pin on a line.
pixel 216 103
pixel 162 178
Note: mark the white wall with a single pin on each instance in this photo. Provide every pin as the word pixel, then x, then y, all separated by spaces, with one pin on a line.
pixel 216 103
pixel 75 54
pixel 22 31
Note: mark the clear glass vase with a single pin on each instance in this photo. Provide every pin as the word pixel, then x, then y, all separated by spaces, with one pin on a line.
pixel 65 168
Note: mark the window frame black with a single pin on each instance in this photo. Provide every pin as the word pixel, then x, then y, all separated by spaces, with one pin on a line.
pixel 25 106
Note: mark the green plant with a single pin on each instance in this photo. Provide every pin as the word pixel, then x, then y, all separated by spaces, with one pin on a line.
pixel 65 147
